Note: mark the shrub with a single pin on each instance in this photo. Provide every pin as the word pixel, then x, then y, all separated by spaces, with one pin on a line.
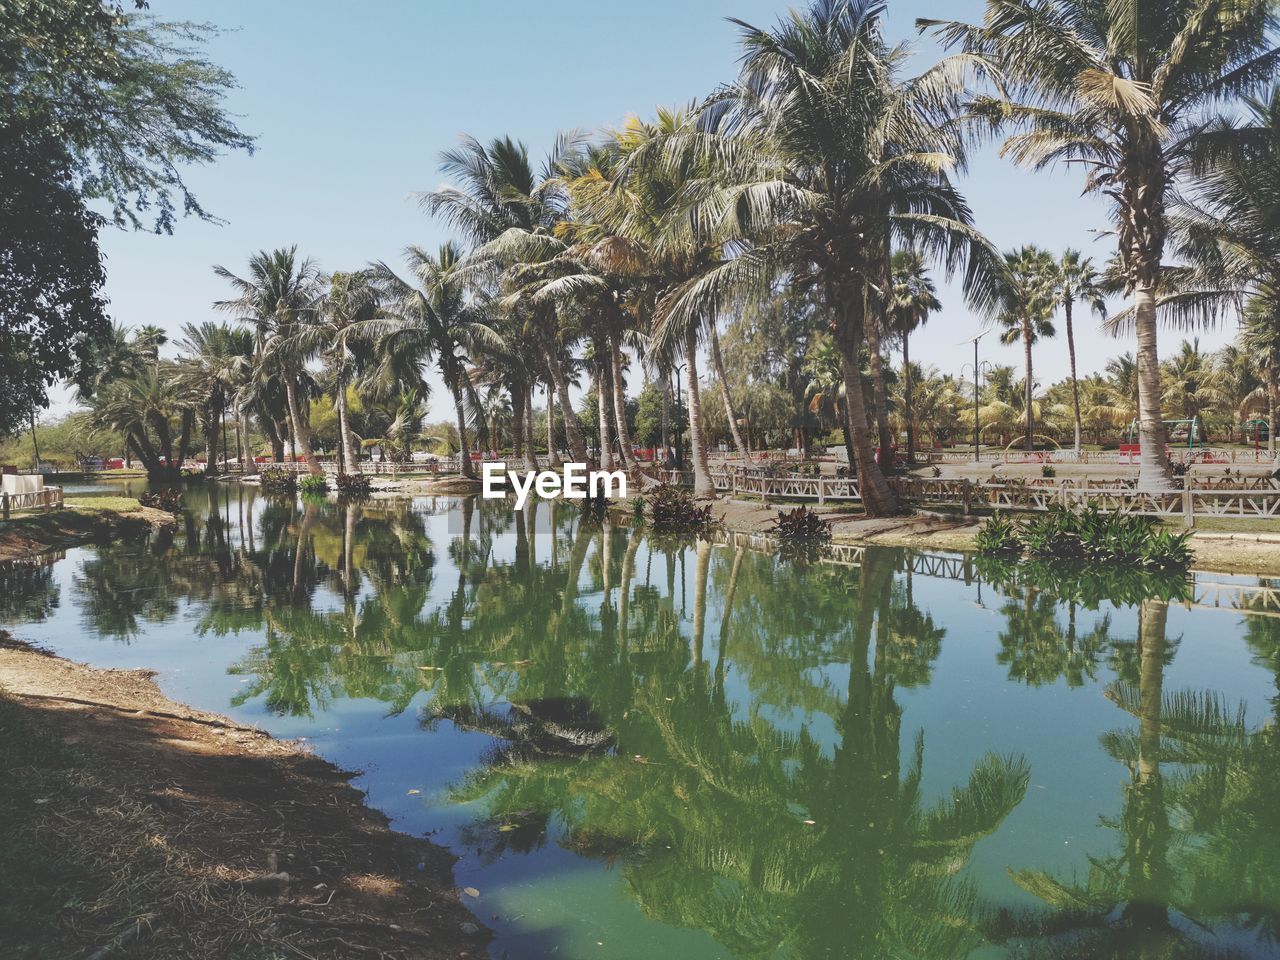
pixel 354 485
pixel 802 534
pixel 672 510
pixel 170 500
pixel 1088 534
pixel 314 484
pixel 1000 536
pixel 637 512
pixel 801 525
pixel 275 480
pixel 1048 471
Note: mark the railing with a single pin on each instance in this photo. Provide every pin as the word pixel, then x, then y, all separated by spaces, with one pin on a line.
pixel 46 500
pixel 1243 498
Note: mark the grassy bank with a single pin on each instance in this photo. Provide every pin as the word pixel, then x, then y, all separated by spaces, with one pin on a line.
pixel 136 825
pixel 80 521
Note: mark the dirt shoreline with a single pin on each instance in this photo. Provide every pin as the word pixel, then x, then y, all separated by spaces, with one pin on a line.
pixel 178 833
pixel 30 535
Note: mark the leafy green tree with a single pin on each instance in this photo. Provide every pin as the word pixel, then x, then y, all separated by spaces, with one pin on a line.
pixel 1121 89
pixel 280 295
pixel 1026 308
pixel 1074 279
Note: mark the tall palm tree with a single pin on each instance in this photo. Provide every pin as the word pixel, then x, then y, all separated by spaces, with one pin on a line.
pixel 499 191
pixel 1027 303
pixel 914 297
pixel 432 318
pixel 632 205
pixel 279 293
pixel 1074 278
pixel 829 157
pixel 1120 88
pixel 1260 335
pixel 215 360
pixel 341 331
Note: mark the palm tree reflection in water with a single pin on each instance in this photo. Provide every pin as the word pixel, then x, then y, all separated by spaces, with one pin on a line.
pixel 724 727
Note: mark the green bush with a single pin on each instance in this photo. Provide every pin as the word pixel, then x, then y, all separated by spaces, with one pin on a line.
pixel 314 484
pixel 275 480
pixel 353 485
pixel 1048 471
pixel 672 510
pixel 1087 534
pixel 999 536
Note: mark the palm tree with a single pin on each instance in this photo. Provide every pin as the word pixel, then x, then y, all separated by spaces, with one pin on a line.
pixel 341 330
pixel 1027 304
pixel 826 157
pixel 433 318
pixel 1120 88
pixel 499 192
pixel 215 360
pixel 1074 278
pixel 630 202
pixel 279 293
pixel 1260 335
pixel 914 297
pixel 1192 383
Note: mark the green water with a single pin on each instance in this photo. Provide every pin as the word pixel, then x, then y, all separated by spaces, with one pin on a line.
pixel 646 748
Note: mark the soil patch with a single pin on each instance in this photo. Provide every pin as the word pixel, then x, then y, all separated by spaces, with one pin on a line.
pixel 138 827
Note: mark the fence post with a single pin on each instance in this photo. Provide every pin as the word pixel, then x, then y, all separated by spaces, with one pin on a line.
pixel 966 496
pixel 822 491
pixel 4 503
pixel 1188 508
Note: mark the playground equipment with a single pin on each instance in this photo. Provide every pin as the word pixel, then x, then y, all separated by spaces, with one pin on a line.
pixel 1032 456
pixel 1194 428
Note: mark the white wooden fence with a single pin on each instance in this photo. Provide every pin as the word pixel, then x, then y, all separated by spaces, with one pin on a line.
pixel 46 500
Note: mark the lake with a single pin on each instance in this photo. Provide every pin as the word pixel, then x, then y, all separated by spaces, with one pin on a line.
pixel 645 747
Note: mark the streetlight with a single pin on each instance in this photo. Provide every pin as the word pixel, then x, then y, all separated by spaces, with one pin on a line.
pixel 977 377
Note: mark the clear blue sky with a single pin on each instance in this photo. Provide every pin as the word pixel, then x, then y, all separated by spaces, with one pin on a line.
pixel 353 102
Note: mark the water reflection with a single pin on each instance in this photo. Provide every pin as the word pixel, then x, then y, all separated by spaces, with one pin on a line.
pixel 731 733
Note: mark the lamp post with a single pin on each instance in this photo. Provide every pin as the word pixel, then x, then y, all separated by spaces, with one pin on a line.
pixel 978 367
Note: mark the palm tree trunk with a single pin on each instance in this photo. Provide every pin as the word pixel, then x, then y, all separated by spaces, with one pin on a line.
pixel 350 462
pixel 248 464
pixel 1145 816
pixel 620 407
pixel 717 367
pixel 700 570
pixel 464 446
pixel 702 485
pixel 1075 384
pixel 1153 458
pixel 577 445
pixel 603 393
pixel 1273 395
pixel 517 427
pixel 878 500
pixel 210 454
pixel 553 457
pixel 526 427
pixel 908 413
pixel 299 427
pixel 1030 384
pixel 879 396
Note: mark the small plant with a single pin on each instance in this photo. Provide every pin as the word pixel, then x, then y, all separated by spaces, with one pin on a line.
pixel 802 534
pixel 672 510
pixel 1088 534
pixel 353 485
pixel 1000 537
pixel 801 525
pixel 275 480
pixel 637 512
pixel 1048 472
pixel 314 484
pixel 169 499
